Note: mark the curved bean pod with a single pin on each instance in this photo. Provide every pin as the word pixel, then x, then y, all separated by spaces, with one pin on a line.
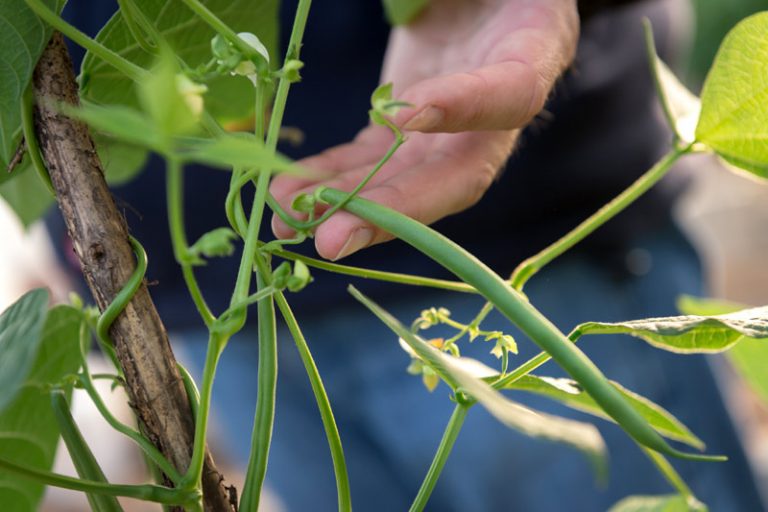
pixel 517 309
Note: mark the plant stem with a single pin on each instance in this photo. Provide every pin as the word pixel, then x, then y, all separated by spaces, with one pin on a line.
pixel 323 404
pixel 517 309
pixel 222 28
pixel 153 493
pixel 82 457
pixel 125 66
pixel 264 417
pixel 148 448
pixel 174 188
pixel 455 286
pixel 191 479
pixel 137 22
pixel 441 456
pixel 530 266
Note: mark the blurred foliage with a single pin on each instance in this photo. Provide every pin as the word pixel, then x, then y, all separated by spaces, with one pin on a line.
pixel 714 18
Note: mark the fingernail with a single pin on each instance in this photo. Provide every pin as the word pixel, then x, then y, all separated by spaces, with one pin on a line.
pixel 425 120
pixel 361 237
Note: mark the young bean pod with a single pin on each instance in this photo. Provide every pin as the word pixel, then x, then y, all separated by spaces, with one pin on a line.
pixel 518 310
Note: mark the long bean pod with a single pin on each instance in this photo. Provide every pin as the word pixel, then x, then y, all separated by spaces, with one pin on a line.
pixel 518 310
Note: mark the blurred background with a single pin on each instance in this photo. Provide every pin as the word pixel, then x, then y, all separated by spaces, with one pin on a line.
pixel 724 213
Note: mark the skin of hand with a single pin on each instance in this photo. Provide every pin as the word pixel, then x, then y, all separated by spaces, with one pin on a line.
pixel 476 72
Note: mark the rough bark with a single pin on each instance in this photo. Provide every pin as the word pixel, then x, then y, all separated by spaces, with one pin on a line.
pixel 100 238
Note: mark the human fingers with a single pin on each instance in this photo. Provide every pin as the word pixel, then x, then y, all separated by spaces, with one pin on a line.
pixel 364 150
pixel 506 90
pixel 447 182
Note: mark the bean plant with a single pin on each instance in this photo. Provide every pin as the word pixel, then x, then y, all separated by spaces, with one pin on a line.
pixel 142 91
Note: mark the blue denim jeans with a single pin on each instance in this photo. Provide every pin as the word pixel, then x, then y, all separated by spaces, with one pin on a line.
pixel 391 425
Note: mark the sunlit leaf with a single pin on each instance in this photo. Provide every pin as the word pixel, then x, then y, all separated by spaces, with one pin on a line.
pixel 569 393
pixel 690 334
pixel 28 430
pixel 681 107
pixel 123 123
pixel 583 436
pixel 734 100
pixel 748 356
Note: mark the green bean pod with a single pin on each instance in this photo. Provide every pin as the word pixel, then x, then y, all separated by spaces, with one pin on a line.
pixel 518 310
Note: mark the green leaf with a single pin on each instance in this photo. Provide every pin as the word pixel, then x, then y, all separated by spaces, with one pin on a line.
pixel 28 431
pixel 734 100
pixel 228 98
pixel 216 243
pixel 690 334
pixel 21 329
pixel 400 12
pixel 121 161
pixel 23 38
pixel 241 150
pixel 680 106
pixel 583 436
pixel 667 503
pixel 569 393
pixel 26 193
pixel 171 100
pixel 748 356
pixel 123 123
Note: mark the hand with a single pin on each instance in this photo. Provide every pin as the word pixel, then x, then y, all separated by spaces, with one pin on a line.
pixel 476 71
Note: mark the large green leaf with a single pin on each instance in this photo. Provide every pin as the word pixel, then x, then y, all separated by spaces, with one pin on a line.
pixel 690 334
pixel 667 503
pixel 22 39
pixel 28 431
pixel 21 329
pixel 400 12
pixel 26 193
pixel 734 101
pixel 582 436
pixel 749 356
pixel 568 392
pixel 190 38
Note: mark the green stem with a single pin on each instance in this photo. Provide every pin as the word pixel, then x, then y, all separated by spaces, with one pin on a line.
pixel 669 473
pixel 192 478
pixel 222 28
pixel 323 404
pixel 30 137
pixel 454 286
pixel 146 446
pixel 175 203
pixel 443 451
pixel 82 457
pixel 193 394
pixel 264 417
pixel 530 365
pixel 126 67
pixel 152 493
pixel 139 26
pixel 517 309
pixel 530 266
